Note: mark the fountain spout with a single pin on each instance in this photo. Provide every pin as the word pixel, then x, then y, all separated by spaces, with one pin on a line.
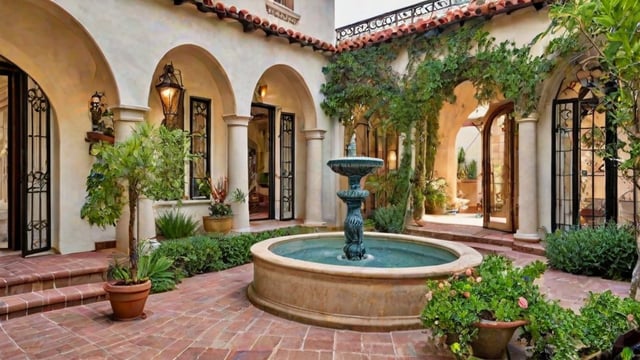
pixel 354 167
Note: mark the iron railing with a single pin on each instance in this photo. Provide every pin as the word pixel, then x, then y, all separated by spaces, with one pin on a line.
pixel 406 15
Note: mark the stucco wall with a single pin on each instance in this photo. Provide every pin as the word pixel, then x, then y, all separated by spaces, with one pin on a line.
pixel 73 48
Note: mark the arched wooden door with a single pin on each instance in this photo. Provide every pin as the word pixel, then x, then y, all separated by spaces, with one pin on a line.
pixel 499 168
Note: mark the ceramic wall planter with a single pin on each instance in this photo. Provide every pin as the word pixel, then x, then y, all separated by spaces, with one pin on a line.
pixel 493 338
pixel 217 224
pixel 127 301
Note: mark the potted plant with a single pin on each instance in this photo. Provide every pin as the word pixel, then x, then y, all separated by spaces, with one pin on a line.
pixel 435 196
pixel 220 217
pixel 472 309
pixel 149 163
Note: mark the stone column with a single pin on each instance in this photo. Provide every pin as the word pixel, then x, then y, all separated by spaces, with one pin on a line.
pixel 126 118
pixel 527 180
pixel 314 166
pixel 238 165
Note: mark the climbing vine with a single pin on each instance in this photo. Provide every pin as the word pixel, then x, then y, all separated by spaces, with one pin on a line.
pixel 411 102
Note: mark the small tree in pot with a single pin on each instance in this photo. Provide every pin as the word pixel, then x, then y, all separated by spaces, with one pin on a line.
pixel 149 163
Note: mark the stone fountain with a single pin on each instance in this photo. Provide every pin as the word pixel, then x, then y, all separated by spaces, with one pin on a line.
pixel 355 168
pixel 329 279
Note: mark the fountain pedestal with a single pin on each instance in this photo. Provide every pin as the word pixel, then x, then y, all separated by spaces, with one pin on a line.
pixel 353 222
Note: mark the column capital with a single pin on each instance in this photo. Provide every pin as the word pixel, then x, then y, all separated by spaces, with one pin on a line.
pixel 532 117
pixel 314 134
pixel 131 113
pixel 237 120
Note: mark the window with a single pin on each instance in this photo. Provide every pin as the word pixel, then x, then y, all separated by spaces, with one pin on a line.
pixel 200 135
pixel 286 3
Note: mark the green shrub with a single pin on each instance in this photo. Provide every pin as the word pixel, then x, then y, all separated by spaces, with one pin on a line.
pixel 389 219
pixel 193 255
pixel 608 251
pixel 173 224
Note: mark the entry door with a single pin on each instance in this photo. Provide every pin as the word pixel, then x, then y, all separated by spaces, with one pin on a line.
pixel 24 162
pixel 287 169
pixel 261 162
pixel 499 168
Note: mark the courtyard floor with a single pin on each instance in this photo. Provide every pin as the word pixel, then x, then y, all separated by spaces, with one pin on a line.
pixel 209 317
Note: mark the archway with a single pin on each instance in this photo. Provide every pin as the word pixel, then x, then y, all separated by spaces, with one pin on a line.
pixel 282 108
pixel 31 48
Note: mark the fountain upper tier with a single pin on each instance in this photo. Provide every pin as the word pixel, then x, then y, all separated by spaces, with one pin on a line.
pixel 355 165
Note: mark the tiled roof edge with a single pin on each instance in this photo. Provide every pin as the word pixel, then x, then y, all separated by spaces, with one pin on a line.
pixel 453 16
pixel 251 22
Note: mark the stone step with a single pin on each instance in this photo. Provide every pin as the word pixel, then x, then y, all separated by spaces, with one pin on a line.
pixel 26 283
pixel 28 303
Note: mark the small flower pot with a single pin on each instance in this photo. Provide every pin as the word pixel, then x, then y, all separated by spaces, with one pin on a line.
pixel 493 338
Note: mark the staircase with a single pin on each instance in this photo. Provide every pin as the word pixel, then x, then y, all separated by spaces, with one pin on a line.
pixel 50 282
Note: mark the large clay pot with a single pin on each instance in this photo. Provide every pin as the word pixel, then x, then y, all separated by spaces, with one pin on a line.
pixel 127 301
pixel 217 224
pixel 493 338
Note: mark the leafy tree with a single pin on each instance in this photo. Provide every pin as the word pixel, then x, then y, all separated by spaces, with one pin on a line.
pixel 149 163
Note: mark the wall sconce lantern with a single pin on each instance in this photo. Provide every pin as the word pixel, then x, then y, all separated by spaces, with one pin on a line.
pixel 262 90
pixel 171 93
pixel 392 159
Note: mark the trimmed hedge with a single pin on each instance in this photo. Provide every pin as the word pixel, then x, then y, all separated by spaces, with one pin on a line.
pixel 206 253
pixel 608 251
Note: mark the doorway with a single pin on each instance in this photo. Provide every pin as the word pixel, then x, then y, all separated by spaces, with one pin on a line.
pixel 261 162
pixel 499 168
pixel 25 199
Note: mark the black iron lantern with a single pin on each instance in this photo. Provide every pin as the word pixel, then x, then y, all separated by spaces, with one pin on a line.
pixel 171 90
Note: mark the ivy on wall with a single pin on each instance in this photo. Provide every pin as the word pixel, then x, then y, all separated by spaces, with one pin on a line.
pixel 411 102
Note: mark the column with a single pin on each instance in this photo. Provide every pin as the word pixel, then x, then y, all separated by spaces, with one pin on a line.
pixel 238 166
pixel 314 166
pixel 527 180
pixel 126 118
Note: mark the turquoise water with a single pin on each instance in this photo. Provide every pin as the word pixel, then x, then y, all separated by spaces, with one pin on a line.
pixel 381 253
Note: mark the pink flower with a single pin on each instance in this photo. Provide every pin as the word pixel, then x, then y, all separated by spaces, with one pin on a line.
pixel 523 303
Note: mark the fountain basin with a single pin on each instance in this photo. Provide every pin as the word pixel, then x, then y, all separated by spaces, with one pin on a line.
pixel 355 165
pixel 349 297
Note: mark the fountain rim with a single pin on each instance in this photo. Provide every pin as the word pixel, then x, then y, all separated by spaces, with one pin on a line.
pixel 467 257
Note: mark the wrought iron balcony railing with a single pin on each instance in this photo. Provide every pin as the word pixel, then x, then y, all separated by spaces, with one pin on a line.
pixel 406 15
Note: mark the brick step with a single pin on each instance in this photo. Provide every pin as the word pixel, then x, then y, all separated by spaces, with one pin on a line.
pixel 453 236
pixel 487 248
pixel 28 303
pixel 26 283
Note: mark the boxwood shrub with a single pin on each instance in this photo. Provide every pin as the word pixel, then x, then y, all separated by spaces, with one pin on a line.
pixel 608 251
pixel 206 253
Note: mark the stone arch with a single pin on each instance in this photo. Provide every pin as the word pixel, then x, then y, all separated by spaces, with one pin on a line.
pixel 288 92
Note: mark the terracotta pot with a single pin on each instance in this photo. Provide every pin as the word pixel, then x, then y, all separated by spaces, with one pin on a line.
pixel 217 224
pixel 493 338
pixel 127 301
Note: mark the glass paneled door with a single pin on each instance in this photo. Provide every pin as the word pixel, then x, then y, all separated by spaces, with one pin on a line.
pixel 25 178
pixel 499 168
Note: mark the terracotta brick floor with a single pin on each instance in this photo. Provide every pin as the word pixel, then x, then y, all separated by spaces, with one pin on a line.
pixel 209 317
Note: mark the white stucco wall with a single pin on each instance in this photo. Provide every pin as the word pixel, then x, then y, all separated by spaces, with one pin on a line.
pixel 73 48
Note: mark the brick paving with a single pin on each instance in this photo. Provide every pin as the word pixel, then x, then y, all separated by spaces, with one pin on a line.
pixel 209 317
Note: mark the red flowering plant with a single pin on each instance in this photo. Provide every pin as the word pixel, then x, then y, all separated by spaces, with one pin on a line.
pixel 496 290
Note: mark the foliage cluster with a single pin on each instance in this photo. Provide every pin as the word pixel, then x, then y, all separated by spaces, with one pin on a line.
pixel 221 200
pixel 366 78
pixel 205 253
pixel 435 195
pixel 151 266
pixel 149 163
pixel 498 290
pixel 174 224
pixel 495 290
pixel 608 251
pixel 389 219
